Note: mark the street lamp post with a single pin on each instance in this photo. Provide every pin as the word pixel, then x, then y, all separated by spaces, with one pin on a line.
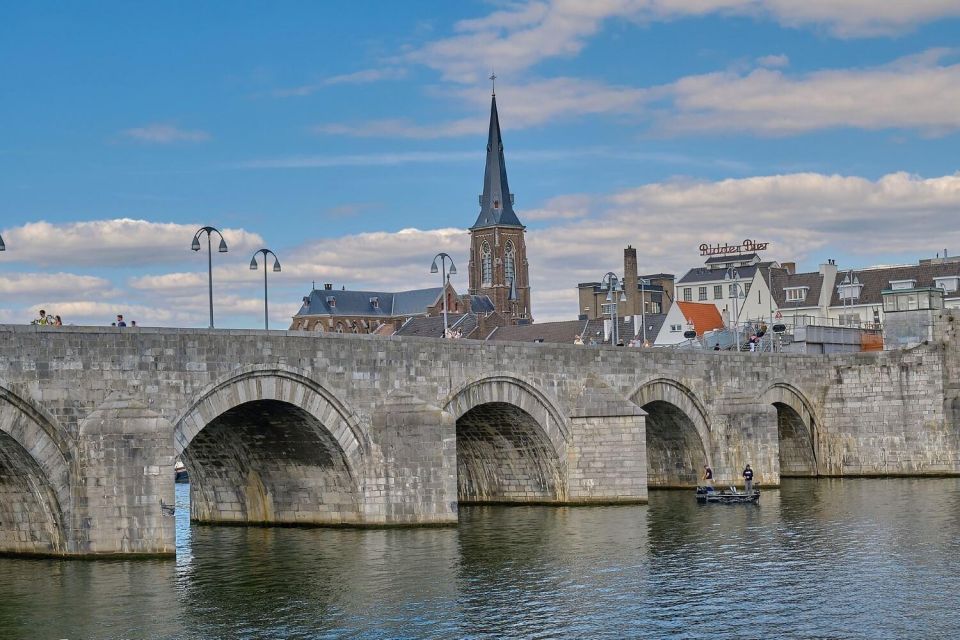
pixel 223 249
pixel 276 268
pixel 443 289
pixel 615 295
pixel 734 275
pixel 643 307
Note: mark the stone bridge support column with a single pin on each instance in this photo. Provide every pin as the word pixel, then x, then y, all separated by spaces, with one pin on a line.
pixel 744 431
pixel 607 456
pixel 127 495
pixel 412 477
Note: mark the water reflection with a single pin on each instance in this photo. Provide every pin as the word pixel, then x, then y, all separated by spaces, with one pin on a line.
pixel 827 558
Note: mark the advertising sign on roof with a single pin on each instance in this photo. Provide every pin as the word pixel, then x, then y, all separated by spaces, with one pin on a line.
pixel 747 246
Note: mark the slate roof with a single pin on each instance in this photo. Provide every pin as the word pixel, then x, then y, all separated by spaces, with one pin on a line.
pixel 428 327
pixel 875 280
pixel 780 279
pixel 704 316
pixel 565 331
pixel 357 303
pixel 733 257
pixel 702 274
pixel 481 304
pixel 496 202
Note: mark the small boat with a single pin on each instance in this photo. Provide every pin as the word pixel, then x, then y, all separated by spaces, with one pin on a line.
pixel 727 496
pixel 180 473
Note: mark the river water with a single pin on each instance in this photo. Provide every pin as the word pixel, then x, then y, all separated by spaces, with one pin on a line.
pixel 818 558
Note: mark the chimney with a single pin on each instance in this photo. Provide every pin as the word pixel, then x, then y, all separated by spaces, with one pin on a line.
pixel 829 273
pixel 328 286
pixel 790 267
pixel 630 281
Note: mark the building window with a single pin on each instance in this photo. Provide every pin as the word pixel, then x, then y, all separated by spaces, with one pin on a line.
pixel 675 328
pixel 702 293
pixel 688 294
pixel 717 291
pixel 948 284
pixel 746 289
pixel 796 294
pixel 339 327
pixel 898 285
pixel 486 265
pixel 508 262
pixel 732 291
pixel 850 319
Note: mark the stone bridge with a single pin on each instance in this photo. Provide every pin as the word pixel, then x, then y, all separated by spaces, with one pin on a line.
pixel 289 427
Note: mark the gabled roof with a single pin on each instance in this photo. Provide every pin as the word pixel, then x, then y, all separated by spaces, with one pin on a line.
pixel 704 316
pixel 780 280
pixel 496 203
pixel 358 303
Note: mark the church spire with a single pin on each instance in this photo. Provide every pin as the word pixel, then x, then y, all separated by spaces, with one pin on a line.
pixel 496 202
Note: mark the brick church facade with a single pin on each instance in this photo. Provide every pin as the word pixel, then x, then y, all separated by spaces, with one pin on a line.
pixel 498 265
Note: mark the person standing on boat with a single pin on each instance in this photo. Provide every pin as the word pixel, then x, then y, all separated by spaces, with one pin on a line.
pixel 707 476
pixel 748 479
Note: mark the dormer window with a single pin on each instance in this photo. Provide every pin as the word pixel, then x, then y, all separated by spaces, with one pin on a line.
pixel 796 294
pixel 897 285
pixel 332 302
pixel 850 291
pixel 947 283
pixel 375 302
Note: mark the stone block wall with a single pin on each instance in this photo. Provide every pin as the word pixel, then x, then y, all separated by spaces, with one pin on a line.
pixel 101 413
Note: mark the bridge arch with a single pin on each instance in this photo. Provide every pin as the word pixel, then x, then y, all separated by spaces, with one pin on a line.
pixel 37 475
pixel 797 429
pixel 271 445
pixel 678 433
pixel 511 442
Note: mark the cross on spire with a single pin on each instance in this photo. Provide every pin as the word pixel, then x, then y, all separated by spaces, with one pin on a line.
pixel 493 83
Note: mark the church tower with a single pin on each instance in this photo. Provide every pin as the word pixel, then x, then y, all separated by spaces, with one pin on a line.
pixel 498 253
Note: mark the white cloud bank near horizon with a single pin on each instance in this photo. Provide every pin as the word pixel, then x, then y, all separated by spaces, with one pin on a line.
pixel 581 237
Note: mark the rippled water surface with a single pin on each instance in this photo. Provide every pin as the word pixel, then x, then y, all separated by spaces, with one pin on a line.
pixel 827 558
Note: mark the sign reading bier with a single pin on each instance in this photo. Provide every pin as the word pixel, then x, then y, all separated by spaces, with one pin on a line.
pixel 747 246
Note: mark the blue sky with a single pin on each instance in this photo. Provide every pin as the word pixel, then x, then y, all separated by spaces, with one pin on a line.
pixel 349 139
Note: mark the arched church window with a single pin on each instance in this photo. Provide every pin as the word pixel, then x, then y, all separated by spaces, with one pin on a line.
pixel 486 265
pixel 508 262
pixel 339 327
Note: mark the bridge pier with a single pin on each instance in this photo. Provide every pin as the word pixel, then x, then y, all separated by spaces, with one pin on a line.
pixel 125 499
pixel 744 431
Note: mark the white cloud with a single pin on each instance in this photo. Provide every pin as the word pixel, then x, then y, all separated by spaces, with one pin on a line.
pixel 864 221
pixel 524 34
pixel 360 160
pixel 916 92
pixel 568 207
pixel 119 242
pixel 364 76
pixel 532 104
pixel 34 285
pixel 778 60
pixel 164 133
